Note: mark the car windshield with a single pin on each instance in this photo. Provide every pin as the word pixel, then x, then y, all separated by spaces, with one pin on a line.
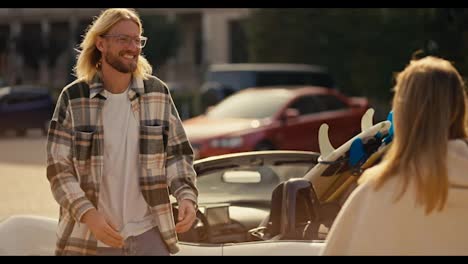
pixel 253 184
pixel 234 79
pixel 252 105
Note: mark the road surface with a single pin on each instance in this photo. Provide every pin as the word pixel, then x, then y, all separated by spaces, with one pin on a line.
pixel 24 188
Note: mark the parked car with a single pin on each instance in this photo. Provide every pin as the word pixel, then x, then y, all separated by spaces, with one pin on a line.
pixel 24 107
pixel 253 203
pixel 223 80
pixel 286 118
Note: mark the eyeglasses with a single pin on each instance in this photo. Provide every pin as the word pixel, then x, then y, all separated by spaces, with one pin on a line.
pixel 127 40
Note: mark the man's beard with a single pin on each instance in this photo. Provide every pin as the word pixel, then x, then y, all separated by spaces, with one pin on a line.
pixel 120 66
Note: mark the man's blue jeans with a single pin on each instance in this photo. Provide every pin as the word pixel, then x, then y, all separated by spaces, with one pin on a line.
pixel 149 243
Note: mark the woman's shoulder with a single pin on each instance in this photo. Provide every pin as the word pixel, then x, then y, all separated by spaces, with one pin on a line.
pixel 366 183
pixel 370 175
pixel 458 146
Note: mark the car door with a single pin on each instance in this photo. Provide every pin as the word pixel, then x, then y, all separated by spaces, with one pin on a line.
pixel 274 248
pixel 343 122
pixel 300 133
pixel 8 110
pixel 198 249
pixel 3 116
pixel 27 109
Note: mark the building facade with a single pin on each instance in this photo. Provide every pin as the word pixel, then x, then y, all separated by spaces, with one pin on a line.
pixel 206 39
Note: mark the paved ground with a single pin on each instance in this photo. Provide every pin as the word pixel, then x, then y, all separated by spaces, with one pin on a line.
pixel 24 188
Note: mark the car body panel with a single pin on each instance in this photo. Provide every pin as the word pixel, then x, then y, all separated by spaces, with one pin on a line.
pixel 196 249
pixel 35 235
pixel 207 132
pixel 225 79
pixel 25 107
pixel 274 248
pixel 28 235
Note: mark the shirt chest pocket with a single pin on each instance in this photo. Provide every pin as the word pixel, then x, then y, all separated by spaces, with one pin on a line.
pixel 152 154
pixel 82 152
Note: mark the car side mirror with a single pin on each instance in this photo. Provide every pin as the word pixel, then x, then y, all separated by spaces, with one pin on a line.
pixel 290 114
pixel 358 102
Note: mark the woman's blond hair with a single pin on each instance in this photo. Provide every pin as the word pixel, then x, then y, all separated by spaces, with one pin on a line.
pixel 89 56
pixel 428 110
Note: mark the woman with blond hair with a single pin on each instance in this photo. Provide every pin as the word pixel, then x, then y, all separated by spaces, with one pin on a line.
pixel 415 202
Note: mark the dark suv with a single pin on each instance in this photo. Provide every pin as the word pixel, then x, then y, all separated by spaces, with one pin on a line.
pixel 225 79
pixel 24 107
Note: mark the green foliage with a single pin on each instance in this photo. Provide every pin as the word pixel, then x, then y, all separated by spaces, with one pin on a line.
pixel 362 47
pixel 31 45
pixel 57 43
pixel 186 103
pixel 163 38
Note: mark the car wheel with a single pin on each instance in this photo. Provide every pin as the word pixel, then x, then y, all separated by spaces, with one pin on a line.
pixel 21 132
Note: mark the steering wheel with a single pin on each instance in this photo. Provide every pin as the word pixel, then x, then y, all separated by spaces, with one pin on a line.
pixel 197 233
pixel 261 233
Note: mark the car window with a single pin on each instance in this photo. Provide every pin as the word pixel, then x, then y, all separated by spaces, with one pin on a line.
pixel 12 99
pixel 21 98
pixel 330 102
pixel 251 105
pixel 307 105
pixel 24 98
pixel 36 97
pixel 233 79
pixel 293 78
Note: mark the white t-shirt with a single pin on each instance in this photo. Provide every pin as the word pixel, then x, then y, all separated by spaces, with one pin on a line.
pixel 120 198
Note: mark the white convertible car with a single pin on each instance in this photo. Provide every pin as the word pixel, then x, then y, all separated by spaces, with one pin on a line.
pixel 253 203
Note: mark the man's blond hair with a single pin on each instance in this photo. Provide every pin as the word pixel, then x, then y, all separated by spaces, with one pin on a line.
pixel 89 56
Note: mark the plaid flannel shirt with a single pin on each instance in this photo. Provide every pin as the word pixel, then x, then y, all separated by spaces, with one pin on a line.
pixel 75 158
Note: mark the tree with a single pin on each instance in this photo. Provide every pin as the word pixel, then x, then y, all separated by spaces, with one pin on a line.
pixel 163 38
pixel 58 42
pixel 362 47
pixel 31 45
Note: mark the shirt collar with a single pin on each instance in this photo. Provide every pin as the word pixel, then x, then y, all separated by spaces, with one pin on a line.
pixel 96 86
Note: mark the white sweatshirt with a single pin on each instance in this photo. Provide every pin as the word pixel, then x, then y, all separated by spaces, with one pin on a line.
pixel 370 223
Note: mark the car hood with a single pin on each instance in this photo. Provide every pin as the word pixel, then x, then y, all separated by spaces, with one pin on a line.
pixel 203 127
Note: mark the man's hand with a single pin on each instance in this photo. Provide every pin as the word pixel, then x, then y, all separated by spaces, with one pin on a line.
pixel 103 229
pixel 186 217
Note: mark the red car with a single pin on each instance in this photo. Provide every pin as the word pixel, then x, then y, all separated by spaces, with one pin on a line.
pixel 275 118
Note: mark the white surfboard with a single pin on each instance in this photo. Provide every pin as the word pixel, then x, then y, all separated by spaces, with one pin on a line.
pixel 329 154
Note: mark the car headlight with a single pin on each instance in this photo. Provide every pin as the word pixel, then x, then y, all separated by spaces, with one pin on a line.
pixel 233 142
